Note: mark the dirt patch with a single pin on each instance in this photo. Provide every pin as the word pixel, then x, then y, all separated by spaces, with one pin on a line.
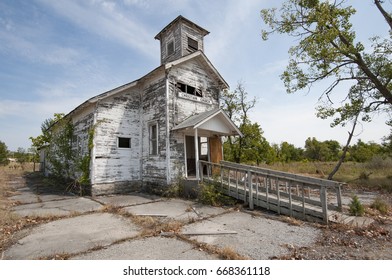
pixel 339 242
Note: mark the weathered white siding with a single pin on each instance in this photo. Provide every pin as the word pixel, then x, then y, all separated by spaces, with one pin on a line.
pixel 153 111
pixel 182 106
pixel 117 116
pixel 82 123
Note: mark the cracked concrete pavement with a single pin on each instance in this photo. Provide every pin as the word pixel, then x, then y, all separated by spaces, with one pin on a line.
pixel 83 229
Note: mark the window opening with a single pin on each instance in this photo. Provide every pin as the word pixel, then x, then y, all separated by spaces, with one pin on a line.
pixel 193 44
pixel 153 139
pixel 189 89
pixel 124 142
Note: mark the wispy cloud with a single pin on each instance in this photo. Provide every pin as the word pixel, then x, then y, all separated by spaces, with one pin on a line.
pixel 34 50
pixel 106 19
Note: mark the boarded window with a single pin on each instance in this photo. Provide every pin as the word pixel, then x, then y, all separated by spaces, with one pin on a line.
pixel 189 89
pixel 124 142
pixel 170 47
pixel 193 44
pixel 153 139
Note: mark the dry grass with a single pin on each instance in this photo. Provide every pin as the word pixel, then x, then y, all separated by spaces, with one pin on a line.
pixel 10 223
pixel 225 253
pixel 378 172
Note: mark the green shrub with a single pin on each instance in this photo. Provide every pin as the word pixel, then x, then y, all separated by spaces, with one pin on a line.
pixel 210 195
pixel 356 207
pixel 380 205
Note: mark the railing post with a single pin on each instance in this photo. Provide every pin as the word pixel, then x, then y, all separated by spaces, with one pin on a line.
pixel 323 198
pixel 201 178
pixel 250 187
pixel 236 183
pixel 288 185
pixel 221 175
pixel 268 183
pixel 303 201
pixel 277 193
pixel 339 197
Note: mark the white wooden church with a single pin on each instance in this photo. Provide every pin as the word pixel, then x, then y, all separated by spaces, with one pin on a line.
pixel 152 131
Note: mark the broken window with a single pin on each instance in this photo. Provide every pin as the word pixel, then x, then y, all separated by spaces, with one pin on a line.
pixel 189 89
pixel 153 133
pixel 193 44
pixel 170 47
pixel 124 142
pixel 203 146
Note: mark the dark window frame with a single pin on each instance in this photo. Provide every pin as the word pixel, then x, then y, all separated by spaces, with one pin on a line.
pixel 124 142
pixel 189 89
pixel 153 138
pixel 193 44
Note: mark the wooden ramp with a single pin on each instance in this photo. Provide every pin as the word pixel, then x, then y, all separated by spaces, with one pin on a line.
pixel 297 196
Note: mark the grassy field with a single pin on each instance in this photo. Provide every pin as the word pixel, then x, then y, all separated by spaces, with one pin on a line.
pixel 376 174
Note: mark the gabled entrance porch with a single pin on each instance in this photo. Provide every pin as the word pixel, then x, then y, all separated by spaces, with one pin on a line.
pixel 202 138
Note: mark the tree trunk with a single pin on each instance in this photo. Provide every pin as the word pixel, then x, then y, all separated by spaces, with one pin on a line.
pixel 384 13
pixel 345 149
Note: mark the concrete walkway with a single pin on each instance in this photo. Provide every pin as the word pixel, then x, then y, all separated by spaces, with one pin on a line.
pixel 84 228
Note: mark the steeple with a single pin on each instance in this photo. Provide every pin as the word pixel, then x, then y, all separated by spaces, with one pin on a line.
pixel 180 38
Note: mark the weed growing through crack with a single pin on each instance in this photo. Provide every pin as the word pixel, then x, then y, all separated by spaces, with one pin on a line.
pixel 380 205
pixel 356 207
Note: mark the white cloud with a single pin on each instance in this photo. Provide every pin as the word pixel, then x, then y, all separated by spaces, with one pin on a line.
pixel 105 19
pixel 37 51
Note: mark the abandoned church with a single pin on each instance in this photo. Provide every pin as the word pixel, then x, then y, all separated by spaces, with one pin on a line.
pixel 154 130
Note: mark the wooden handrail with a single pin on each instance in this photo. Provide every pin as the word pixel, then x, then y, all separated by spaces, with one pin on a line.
pixel 270 186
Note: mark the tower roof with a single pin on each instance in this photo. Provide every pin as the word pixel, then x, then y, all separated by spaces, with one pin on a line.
pixel 182 19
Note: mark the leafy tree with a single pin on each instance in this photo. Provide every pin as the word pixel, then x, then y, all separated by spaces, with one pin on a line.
pixel 288 152
pixel 254 146
pixel 328 50
pixel 362 152
pixel 237 107
pixel 45 137
pixel 3 153
pixel 21 155
pixel 387 144
pixel 321 151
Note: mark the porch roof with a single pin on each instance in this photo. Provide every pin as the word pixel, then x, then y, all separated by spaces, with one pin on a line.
pixel 215 121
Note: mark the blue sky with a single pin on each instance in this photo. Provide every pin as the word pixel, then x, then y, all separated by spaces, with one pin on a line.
pixel 56 54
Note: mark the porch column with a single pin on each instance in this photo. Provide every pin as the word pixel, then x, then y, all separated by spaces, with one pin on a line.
pixel 197 154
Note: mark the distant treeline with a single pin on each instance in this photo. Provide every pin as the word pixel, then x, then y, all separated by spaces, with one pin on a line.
pixel 314 150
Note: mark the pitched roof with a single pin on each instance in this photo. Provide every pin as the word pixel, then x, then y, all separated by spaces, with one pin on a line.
pixel 199 54
pixel 178 19
pixel 196 121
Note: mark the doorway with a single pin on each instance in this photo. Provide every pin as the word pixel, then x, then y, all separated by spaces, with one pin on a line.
pixel 203 147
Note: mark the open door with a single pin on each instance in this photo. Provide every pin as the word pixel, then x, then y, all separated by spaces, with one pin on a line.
pixel 203 148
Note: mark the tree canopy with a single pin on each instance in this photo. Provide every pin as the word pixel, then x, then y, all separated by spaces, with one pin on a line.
pixel 328 50
pixel 3 153
pixel 252 147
